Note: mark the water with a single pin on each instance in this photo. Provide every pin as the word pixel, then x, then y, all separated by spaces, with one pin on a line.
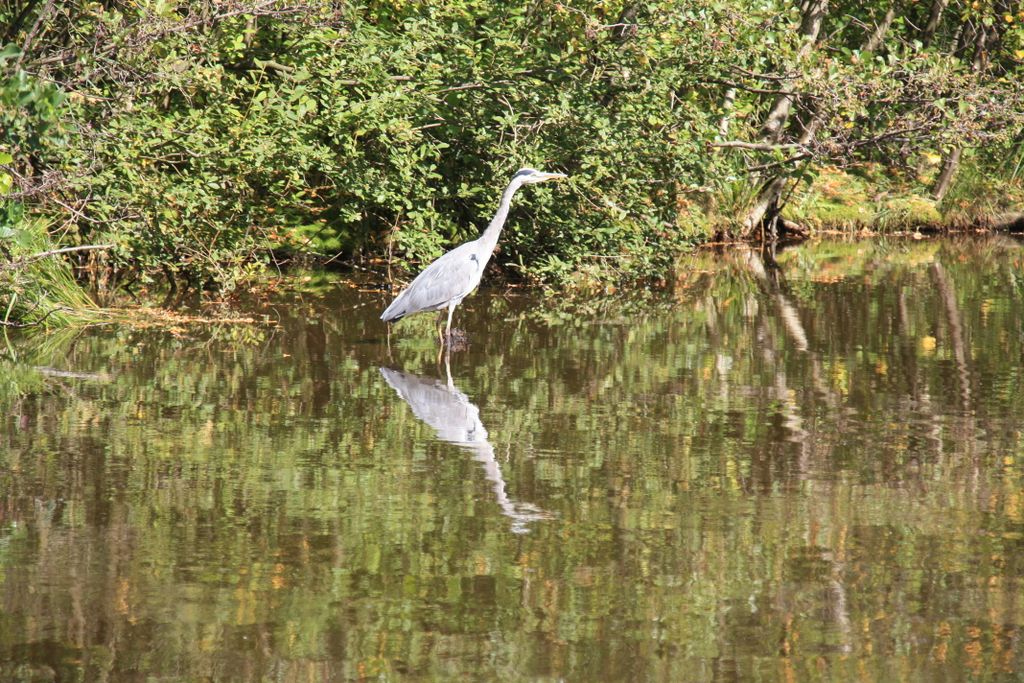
pixel 787 474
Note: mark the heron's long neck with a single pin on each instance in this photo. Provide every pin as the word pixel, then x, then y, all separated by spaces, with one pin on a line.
pixel 490 237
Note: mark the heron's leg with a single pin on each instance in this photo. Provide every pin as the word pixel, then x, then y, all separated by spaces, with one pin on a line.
pixel 440 334
pixel 448 329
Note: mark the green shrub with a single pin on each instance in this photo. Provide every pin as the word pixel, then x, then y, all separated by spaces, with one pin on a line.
pixel 378 128
pixel 207 139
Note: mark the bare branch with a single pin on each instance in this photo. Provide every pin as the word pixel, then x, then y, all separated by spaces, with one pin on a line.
pixel 19 263
pixel 760 91
pixel 757 146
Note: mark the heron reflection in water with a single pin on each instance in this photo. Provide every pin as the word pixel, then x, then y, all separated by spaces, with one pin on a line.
pixel 456 420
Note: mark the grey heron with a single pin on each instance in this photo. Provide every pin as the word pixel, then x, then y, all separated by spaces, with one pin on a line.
pixel 452 277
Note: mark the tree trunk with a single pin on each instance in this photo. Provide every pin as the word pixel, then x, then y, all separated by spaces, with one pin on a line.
pixel 810 27
pixel 19 21
pixel 949 169
pixel 775 123
pixel 766 208
pixel 952 163
pixel 727 104
pixel 980 57
pixel 938 7
pixel 26 45
pixel 878 35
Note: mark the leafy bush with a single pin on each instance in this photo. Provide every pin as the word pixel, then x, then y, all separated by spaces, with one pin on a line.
pixel 363 129
pixel 205 139
pixel 35 288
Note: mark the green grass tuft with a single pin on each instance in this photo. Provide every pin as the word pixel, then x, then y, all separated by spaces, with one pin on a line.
pixel 37 290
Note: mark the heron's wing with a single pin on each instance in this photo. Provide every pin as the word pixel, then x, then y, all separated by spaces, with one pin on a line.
pixel 449 278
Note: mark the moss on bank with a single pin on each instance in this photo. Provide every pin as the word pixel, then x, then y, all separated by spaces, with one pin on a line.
pixel 878 201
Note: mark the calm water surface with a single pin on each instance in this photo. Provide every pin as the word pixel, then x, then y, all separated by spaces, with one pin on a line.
pixel 790 474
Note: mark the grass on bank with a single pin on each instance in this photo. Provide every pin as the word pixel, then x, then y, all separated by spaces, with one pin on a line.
pixel 37 287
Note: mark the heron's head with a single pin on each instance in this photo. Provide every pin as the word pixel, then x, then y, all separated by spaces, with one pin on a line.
pixel 530 176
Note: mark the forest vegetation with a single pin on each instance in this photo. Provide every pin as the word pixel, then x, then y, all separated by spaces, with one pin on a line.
pixel 180 147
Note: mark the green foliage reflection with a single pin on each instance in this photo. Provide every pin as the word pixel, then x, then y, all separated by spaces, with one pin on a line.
pixel 772 474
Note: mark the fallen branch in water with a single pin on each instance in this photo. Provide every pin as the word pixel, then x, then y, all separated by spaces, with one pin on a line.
pixel 35 323
pixel 145 316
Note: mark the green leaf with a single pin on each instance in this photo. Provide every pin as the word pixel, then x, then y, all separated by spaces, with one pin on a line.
pixel 9 51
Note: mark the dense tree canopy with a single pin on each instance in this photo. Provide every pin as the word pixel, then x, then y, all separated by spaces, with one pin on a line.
pixel 201 138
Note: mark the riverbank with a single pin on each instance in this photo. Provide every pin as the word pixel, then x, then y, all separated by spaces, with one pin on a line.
pixel 588 290
pixel 872 202
pixel 43 291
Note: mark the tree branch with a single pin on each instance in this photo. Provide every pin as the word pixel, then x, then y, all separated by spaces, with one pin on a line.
pixel 757 146
pixel 53 252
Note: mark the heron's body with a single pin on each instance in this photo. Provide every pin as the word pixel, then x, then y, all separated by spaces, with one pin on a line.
pixel 450 279
pixel 444 283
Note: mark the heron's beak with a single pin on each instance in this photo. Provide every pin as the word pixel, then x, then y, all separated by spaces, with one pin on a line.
pixel 554 176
